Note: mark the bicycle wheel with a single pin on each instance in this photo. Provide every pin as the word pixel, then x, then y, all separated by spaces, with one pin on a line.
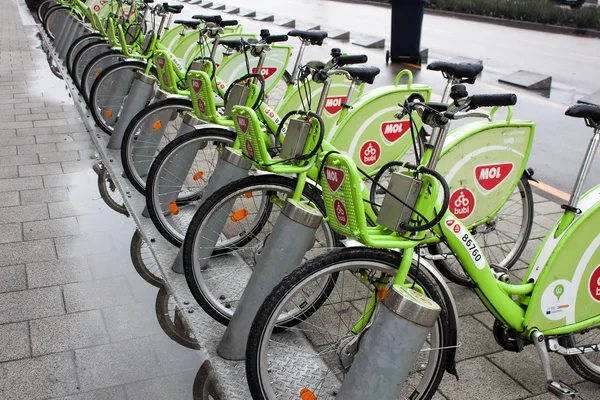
pixel 43 9
pixel 217 284
pixel 170 320
pixel 77 45
pixel 83 58
pixel 280 363
pixel 143 260
pixel 110 194
pixel 147 134
pixel 95 67
pixel 105 102
pixel 585 365
pixel 52 19
pixel 163 180
pixel 502 240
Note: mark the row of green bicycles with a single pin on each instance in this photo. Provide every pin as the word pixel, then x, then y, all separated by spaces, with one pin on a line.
pixel 227 140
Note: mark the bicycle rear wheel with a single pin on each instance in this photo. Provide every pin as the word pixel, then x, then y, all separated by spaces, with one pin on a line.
pixel 255 203
pixel 502 240
pixel 585 365
pixel 279 363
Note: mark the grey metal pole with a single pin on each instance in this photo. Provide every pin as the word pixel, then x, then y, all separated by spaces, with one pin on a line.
pixel 279 257
pixel 59 22
pixel 141 90
pixel 390 348
pixel 70 25
pixel 76 32
pixel 230 168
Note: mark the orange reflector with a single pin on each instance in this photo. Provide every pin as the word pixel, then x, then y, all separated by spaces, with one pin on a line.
pixel 248 195
pixel 157 125
pixel 108 113
pixel 239 215
pixel 306 394
pixel 97 74
pixel 174 208
pixel 198 175
pixel 382 293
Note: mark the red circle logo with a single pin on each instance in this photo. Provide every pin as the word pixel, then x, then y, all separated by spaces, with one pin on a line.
pixel 201 106
pixel 340 212
pixel 249 149
pixel 370 152
pixel 96 7
pixel 165 79
pixel 594 285
pixel 462 203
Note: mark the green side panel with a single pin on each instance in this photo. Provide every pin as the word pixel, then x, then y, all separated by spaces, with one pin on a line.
pixel 370 133
pixel 297 99
pixel 166 66
pixel 172 35
pixel 250 134
pixel 483 162
pixel 202 96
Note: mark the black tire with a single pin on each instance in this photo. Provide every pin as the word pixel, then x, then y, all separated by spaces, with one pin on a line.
pixel 96 103
pixel 52 13
pixel 173 325
pixel 130 138
pixel 148 273
pixel 44 8
pixel 269 183
pixel 452 270
pixel 84 56
pixel 343 260
pixel 582 364
pixel 77 45
pixel 95 68
pixel 212 135
pixel 107 190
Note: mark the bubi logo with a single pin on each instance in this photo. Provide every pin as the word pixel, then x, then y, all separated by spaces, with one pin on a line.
pixel 249 149
pixel 244 123
pixel 161 62
pixel 96 8
pixel 594 285
pixel 370 152
pixel 394 130
pixel 197 85
pixel 489 176
pixel 340 212
pixel 333 104
pixel 266 72
pixel 462 203
pixel 335 178
pixel 165 79
pixel 201 106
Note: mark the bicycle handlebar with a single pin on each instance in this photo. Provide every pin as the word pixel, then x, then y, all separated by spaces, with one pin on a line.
pixel 352 59
pixel 232 22
pixel 276 38
pixel 492 100
pixel 216 19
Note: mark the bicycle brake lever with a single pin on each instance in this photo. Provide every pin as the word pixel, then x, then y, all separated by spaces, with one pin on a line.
pixel 462 114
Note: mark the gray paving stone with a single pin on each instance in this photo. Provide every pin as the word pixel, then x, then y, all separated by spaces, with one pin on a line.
pixel 475 338
pixel 51 122
pixel 34 212
pixel 175 358
pixel 39 169
pixel 588 391
pixel 131 321
pixel 58 272
pixel 116 364
pixel 76 207
pixel 480 379
pixel 33 131
pixel 466 300
pixel 9 185
pixel 548 207
pixel 109 265
pixel 76 178
pixel 23 252
pixel 59 156
pixel 71 128
pixel 30 304
pixel 13 278
pixel 19 159
pixel 53 375
pixel 50 195
pixel 57 138
pixel 8 150
pixel 94 294
pixel 50 228
pixel 532 378
pixel 11 232
pixel 99 223
pixel 70 146
pixel 530 250
pixel 67 332
pixel 18 125
pixel 113 393
pixel 8 199
pixel 77 166
pixel 486 318
pixel 17 140
pixel 36 148
pixel 82 245
pixel 169 387
pixel 31 117
pixel 39 110
pixel 14 341
pixel 9 172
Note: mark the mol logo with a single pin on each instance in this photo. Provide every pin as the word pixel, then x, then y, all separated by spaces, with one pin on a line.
pixel 266 72
pixel 370 152
pixel 394 130
pixel 489 176
pixel 244 123
pixel 333 104
pixel 335 178
pixel 161 62
pixel 197 85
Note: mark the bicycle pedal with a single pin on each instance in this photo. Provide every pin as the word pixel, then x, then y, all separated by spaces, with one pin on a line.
pixel 561 390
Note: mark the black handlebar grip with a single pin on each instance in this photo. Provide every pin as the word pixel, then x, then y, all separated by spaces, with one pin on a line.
pixel 353 59
pixel 175 6
pixel 276 38
pixel 493 100
pixel 232 22
pixel 209 18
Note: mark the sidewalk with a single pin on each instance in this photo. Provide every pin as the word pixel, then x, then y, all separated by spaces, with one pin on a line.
pixel 77 322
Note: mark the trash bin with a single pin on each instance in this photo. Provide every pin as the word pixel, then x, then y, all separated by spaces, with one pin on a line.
pixel 407 20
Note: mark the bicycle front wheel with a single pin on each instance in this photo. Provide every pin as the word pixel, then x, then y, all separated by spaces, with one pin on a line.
pixel 79 44
pixel 280 363
pixel 147 134
pixel 83 58
pixel 95 67
pixel 247 210
pixel 502 240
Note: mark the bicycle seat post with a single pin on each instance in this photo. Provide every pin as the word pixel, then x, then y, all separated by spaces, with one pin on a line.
pixel 585 168
pixel 163 19
pixel 296 70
